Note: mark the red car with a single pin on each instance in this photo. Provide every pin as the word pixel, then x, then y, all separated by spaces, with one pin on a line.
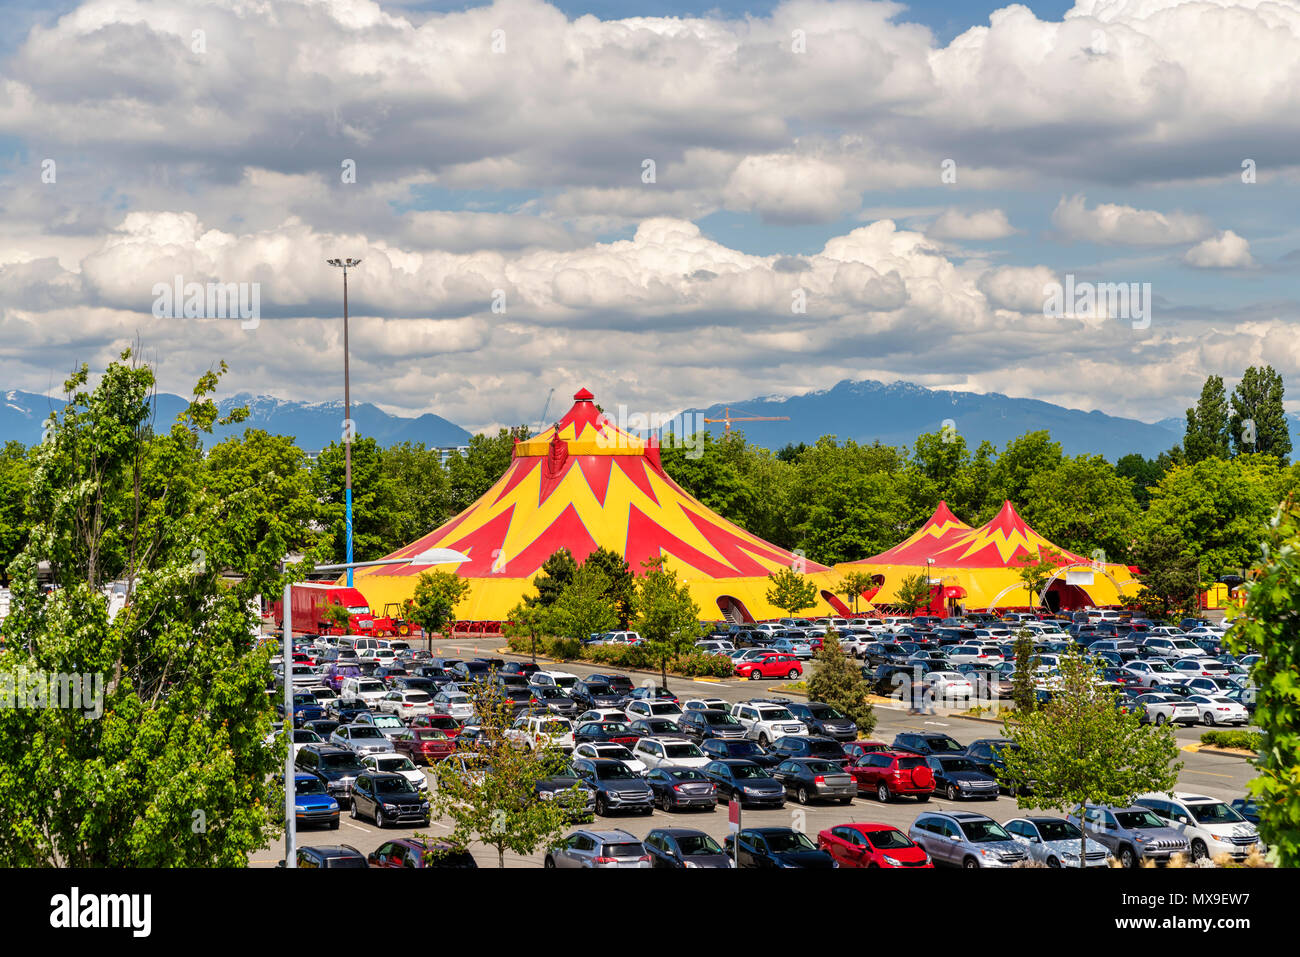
pixel 892 774
pixel 439 722
pixel 772 664
pixel 871 845
pixel 422 745
pixel 856 749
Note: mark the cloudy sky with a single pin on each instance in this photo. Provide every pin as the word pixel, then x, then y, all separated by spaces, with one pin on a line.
pixel 671 203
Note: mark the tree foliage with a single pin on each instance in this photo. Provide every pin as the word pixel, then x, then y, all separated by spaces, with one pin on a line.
pixel 838 682
pixel 913 592
pixel 1258 420
pixel 667 618
pixel 790 591
pixel 437 593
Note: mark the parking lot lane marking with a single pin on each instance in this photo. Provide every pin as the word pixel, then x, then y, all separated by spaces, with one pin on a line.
pixel 355 827
pixel 1213 774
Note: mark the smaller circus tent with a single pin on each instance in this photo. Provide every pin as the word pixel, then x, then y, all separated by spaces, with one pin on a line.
pixel 979 568
pixel 585 484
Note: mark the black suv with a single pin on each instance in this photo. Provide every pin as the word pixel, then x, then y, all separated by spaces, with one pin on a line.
pixel 809 746
pixel 825 720
pixel 721 749
pixel 709 723
pixel 336 767
pixel 592 693
pixel 621 685
pixel 928 742
pixel 986 755
pixel 330 855
pixel 388 799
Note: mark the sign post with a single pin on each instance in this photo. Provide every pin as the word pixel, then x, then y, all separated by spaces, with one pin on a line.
pixel 733 824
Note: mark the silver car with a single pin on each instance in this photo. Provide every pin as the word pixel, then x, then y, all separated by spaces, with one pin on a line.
pixel 964 839
pixel 598 849
pixel 1132 834
pixel 361 738
pixel 1054 841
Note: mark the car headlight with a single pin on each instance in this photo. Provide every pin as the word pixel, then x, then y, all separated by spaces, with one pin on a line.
pixel 891 861
pixel 927 858
pixel 299 808
pixel 546 795
pixel 424 806
pixel 390 807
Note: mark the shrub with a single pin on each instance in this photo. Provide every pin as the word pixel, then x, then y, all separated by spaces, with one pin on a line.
pixel 1240 740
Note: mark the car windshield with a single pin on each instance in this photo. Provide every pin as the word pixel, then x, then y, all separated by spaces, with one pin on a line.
pixel 694 845
pixel 395 764
pixel 748 771
pixel 822 767
pixel 1058 830
pixel 614 727
pixel 718 718
pixel 614 772
pixel 957 764
pixel 305 737
pixel 365 731
pixel 982 832
pixel 442 723
pixel 309 786
pixel 370 686
pixel 1216 813
pixel 686 774
pixel 429 734
pixel 1137 819
pixel 742 749
pixel 682 751
pixel 340 762
pixel 775 714
pixel 888 840
pixel 614 752
pixel 944 744
pixel 783 841
pixel 394 786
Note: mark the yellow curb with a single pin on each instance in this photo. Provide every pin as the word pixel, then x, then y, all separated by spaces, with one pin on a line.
pixel 714 680
pixel 1198 747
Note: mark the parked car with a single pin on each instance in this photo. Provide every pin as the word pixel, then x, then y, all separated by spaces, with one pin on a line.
pixel 776 847
pixel 1055 841
pixel 565 785
pixel 617 788
pixel 677 751
pixel 606 849
pixel 653 708
pixel 389 799
pixel 957 777
pixel 676 788
pixel 606 732
pixel 872 845
pixel 537 732
pixel 1131 834
pixel 424 746
pixel 411 852
pixel 313 805
pixel 590 693
pixel 722 748
pixel 654 727
pixel 745 781
pixel 1210 825
pixel 892 774
pixel 809 746
pixel 765 721
pixel 1247 808
pixel 987 756
pixel 681 847
pixel 611 752
pixel 927 742
pixel 361 738
pixel 405 704
pixel 967 840
pixel 772 664
pixel 809 779
pixel 824 719
pixel 856 749
pixel 1217 709
pixel 698 725
pixel 1158 709
pixel 393 762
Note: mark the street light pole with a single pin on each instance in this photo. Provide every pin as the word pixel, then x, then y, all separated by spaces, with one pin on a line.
pixel 433 556
pixel 348 428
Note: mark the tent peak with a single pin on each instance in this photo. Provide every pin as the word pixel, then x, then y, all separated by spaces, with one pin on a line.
pixel 583 395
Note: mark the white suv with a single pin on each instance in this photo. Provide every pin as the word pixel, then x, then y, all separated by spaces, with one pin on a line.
pixel 671 752
pixel 1173 647
pixel 562 680
pixel 765 721
pixel 1209 824
pixel 641 708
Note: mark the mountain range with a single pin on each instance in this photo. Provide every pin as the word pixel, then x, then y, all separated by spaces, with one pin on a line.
pixel 866 410
pixel 314 425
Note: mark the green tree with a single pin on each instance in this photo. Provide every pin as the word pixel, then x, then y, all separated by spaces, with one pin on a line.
pixel 557 575
pixel 529 621
pixel 1269 625
pixel 1142 472
pixel 495 800
pixel 162 763
pixel 1206 434
pixel 839 683
pixel 854 584
pixel 913 592
pixel 667 618
pixel 437 593
pixel 1035 570
pixel 583 608
pixel 1169 574
pixel 373 502
pixel 1258 420
pixel 622 586
pixel 1024 458
pixel 1022 679
pixel 15 488
pixel 1083 505
pixel 472 472
pixel 337 616
pixel 790 591
pixel 1079 748
pixel 421 492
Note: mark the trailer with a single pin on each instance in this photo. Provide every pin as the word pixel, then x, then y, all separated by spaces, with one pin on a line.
pixel 309 601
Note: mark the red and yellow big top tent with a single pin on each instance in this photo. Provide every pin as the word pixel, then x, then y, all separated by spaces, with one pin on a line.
pixel 585 484
pixel 979 568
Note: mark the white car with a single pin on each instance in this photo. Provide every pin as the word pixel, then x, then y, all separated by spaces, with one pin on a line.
pixel 678 752
pixel 1216 709
pixel 369 690
pixel 765 721
pixel 1154 672
pixel 1201 668
pixel 705 704
pixel 603 714
pixel 1173 646
pixel 553 679
pixel 611 752
pixel 948 685
pixel 897 623
pixel 975 654
pixel 1211 826
pixel 391 762
pixel 1161 708
pixel 715 647
pixel 1163 631
pixel 361 738
pixel 455 703
pixel 537 732
pixel 406 704
pixel 301 736
pixel 643 708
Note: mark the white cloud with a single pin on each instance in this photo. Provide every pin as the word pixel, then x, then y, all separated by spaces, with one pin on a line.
pixel 1113 224
pixel 1224 251
pixel 977 224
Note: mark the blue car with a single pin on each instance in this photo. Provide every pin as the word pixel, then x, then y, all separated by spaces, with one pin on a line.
pixel 305 708
pixel 957 777
pixel 312 804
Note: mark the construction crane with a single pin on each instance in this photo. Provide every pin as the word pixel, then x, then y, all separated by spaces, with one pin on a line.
pixel 546 408
pixel 728 418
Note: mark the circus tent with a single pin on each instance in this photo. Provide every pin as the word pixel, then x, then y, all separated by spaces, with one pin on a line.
pixel 585 484
pixel 979 568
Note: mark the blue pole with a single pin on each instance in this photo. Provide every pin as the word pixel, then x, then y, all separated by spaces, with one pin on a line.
pixel 349 507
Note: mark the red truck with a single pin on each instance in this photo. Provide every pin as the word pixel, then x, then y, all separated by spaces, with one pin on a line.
pixel 310 599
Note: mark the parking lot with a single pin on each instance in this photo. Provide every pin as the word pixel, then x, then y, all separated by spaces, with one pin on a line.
pixel 1217 776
